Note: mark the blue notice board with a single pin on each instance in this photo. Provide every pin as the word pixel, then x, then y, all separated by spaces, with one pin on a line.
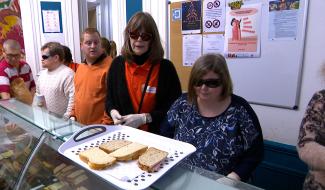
pixel 51 17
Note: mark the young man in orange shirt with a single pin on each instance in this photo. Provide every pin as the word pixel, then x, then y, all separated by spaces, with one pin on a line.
pixel 90 81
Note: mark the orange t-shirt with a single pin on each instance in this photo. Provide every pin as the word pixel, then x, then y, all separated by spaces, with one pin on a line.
pixel 90 92
pixel 136 76
pixel 73 66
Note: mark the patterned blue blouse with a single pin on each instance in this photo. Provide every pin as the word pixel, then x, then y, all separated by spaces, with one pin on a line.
pixel 231 141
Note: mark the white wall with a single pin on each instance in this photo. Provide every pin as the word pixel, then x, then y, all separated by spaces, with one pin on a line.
pixel 282 125
pixel 32 42
pixel 118 15
pixel 160 18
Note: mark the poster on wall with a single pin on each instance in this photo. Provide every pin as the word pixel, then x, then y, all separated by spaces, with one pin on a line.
pixel 212 43
pixel 10 23
pixel 242 30
pixel 283 19
pixel 51 17
pixel 213 15
pixel 191 17
pixel 191 48
pixel 176 14
pixel 52 21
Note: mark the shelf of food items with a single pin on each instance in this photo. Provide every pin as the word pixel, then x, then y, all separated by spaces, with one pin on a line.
pixel 52 171
pixel 47 169
pixel 15 147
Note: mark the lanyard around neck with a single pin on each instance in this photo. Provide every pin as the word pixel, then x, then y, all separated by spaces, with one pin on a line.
pixel 145 88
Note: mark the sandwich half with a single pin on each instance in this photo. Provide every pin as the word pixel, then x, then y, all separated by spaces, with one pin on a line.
pixel 129 152
pixel 113 145
pixel 96 158
pixel 151 159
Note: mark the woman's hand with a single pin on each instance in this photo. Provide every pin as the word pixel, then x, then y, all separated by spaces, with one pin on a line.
pixel 134 120
pixel 116 117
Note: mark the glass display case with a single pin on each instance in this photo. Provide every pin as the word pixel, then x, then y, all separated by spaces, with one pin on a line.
pixel 29 140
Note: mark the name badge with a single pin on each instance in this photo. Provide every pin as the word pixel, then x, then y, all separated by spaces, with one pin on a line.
pixel 150 89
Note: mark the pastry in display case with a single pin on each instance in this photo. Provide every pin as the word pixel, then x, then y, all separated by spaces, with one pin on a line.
pixel 52 171
pixel 15 147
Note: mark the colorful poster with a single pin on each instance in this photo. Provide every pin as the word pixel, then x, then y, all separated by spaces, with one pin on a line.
pixel 213 15
pixel 283 19
pixel 242 34
pixel 10 23
pixel 191 17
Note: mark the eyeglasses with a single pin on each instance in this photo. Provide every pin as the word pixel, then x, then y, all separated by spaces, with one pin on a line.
pixel 44 57
pixel 211 83
pixel 13 55
pixel 144 36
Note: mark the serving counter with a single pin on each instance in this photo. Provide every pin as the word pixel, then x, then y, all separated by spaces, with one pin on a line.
pixel 29 158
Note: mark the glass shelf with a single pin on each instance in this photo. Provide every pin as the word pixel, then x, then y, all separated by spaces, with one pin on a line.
pixel 41 118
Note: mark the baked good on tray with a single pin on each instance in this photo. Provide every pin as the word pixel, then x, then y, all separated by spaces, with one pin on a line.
pixel 113 145
pixel 96 158
pixel 151 159
pixel 129 152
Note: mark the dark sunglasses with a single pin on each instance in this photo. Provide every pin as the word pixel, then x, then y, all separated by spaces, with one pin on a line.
pixel 211 83
pixel 144 36
pixel 44 57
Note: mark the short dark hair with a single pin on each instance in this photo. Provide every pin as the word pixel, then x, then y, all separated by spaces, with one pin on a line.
pixel 67 54
pixel 55 48
pixel 89 31
pixel 113 48
pixel 210 62
pixel 143 21
pixel 106 45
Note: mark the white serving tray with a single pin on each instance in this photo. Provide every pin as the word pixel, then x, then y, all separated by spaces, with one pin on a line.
pixel 125 175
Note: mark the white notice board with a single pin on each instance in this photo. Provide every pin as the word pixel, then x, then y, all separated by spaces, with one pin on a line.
pixel 274 78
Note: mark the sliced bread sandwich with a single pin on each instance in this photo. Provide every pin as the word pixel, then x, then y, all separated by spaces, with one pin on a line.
pixel 96 158
pixel 129 152
pixel 151 159
pixel 113 145
pixel 59 168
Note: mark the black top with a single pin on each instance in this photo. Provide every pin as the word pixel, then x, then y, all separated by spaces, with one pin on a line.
pixel 231 141
pixel 168 90
pixel 140 59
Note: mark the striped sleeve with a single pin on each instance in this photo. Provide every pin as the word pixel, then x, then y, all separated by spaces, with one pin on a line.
pixel 4 81
pixel 26 74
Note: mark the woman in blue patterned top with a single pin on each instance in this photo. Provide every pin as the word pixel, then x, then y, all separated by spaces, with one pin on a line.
pixel 222 126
